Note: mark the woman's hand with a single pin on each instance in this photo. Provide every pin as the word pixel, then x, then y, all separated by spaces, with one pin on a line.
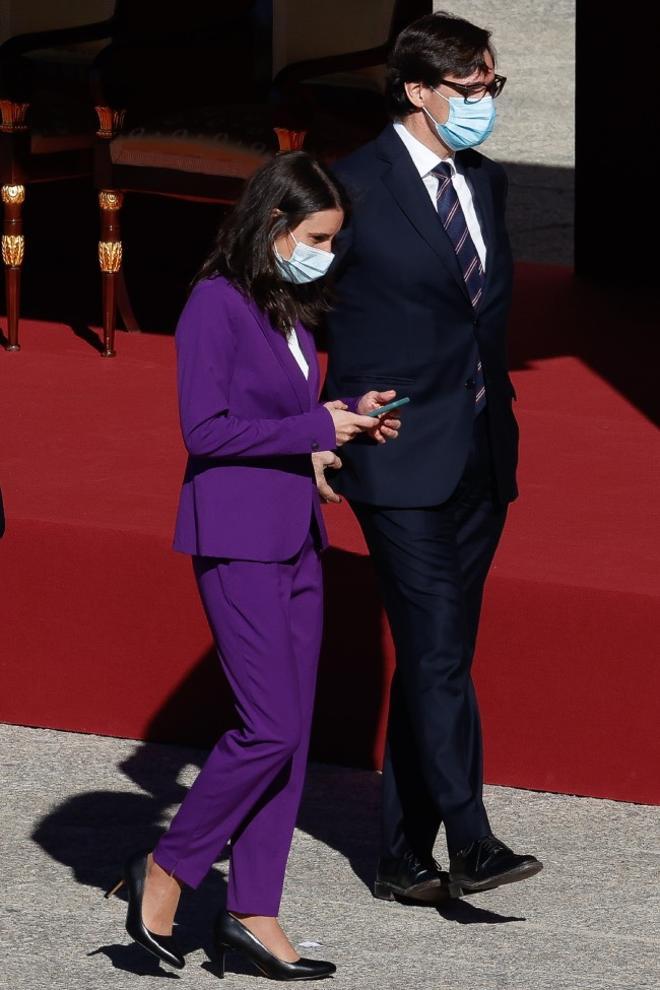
pixel 323 460
pixel 387 426
pixel 347 424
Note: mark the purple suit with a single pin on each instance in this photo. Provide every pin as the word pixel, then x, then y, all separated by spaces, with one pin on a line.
pixel 249 514
pixel 250 422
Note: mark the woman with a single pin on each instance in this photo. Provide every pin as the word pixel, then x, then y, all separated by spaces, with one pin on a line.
pixel 249 515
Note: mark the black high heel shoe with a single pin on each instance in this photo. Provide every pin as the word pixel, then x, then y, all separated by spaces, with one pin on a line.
pixel 229 933
pixel 163 946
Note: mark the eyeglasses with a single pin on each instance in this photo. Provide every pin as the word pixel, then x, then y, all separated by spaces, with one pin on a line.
pixel 473 92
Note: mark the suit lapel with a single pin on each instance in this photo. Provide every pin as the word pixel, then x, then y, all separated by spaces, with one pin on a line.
pixel 404 183
pixel 288 363
pixel 482 195
pixel 308 347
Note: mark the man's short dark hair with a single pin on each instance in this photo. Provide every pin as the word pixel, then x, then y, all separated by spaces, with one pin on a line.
pixel 430 48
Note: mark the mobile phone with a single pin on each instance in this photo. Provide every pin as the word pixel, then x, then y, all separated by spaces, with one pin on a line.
pixel 386 408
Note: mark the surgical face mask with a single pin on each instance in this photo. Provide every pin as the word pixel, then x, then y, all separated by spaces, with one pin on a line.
pixel 468 124
pixel 306 263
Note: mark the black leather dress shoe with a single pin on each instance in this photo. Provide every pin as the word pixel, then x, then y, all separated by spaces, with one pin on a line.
pixel 488 863
pixel 163 946
pixel 413 880
pixel 231 934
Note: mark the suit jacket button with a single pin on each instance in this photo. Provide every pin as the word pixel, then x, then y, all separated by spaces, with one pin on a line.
pixel 470 383
pixel 315 446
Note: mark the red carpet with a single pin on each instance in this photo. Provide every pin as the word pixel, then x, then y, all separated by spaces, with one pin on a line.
pixel 103 632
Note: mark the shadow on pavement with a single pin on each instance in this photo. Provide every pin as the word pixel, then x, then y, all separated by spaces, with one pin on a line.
pixel 133 959
pixel 464 913
pixel 92 834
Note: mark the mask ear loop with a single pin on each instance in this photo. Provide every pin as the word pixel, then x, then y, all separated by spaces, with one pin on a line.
pixel 273 237
pixel 429 114
pixel 442 95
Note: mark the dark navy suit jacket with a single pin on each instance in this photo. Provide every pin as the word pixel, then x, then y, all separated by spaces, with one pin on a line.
pixel 403 319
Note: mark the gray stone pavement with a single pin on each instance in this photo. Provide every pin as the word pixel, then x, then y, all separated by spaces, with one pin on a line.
pixel 75 805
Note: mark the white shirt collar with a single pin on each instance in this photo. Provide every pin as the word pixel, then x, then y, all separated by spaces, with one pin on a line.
pixel 423 158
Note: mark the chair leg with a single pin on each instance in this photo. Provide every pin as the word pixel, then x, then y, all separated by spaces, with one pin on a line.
pixel 289 140
pixel 110 252
pixel 13 249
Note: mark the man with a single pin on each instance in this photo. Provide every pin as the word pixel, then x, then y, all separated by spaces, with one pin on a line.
pixel 424 279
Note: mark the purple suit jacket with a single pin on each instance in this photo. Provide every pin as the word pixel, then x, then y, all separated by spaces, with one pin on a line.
pixel 250 422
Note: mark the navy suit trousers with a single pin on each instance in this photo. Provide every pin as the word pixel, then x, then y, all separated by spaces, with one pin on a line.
pixel 432 563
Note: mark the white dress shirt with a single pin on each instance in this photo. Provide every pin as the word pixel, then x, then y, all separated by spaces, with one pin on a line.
pixel 296 350
pixel 424 160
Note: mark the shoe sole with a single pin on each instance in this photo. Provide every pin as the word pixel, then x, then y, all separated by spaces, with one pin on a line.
pixel 424 893
pixel 294 979
pixel 152 952
pixel 287 979
pixel 512 876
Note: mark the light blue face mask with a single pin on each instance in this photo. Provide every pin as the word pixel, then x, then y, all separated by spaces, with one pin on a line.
pixel 306 263
pixel 468 124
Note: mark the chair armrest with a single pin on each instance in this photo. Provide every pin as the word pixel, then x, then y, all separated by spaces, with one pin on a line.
pixel 16 71
pixel 314 67
pixel 34 40
pixel 103 92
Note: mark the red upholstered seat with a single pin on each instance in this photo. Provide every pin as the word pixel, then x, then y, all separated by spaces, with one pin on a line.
pixel 223 141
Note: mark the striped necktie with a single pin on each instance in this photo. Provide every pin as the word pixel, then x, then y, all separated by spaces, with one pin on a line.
pixel 453 220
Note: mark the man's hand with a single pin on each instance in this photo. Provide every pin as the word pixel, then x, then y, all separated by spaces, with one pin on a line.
pixel 387 427
pixel 322 460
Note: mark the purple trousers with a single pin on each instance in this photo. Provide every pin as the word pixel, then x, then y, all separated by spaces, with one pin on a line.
pixel 266 620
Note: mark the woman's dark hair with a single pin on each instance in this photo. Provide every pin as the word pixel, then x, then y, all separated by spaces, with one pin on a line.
pixel 429 49
pixel 279 196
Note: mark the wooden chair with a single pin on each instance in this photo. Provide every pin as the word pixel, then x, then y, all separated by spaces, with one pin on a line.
pixel 182 114
pixel 329 66
pixel 47 119
pixel 157 132
pixel 46 130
